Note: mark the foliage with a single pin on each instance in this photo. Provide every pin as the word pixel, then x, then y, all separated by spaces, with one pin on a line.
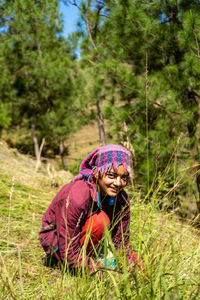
pixel 41 63
pixel 147 53
pixel 139 60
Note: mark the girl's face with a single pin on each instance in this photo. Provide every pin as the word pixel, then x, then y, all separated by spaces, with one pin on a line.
pixel 113 181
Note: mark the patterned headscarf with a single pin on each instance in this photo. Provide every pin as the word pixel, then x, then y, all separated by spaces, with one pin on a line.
pixel 102 160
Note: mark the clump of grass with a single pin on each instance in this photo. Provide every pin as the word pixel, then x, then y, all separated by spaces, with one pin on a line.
pixel 170 250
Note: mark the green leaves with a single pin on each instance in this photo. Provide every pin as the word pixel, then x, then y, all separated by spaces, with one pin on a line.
pixel 40 64
pixel 5 115
pixel 148 54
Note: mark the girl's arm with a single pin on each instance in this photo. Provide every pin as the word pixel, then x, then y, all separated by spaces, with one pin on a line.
pixel 70 216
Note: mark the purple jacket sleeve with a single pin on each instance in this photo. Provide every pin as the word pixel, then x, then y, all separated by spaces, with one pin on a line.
pixel 62 224
pixel 70 218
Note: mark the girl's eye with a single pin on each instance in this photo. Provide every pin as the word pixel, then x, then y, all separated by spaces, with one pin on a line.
pixel 125 178
pixel 111 175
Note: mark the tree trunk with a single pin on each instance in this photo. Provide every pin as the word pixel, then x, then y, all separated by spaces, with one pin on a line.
pixel 35 143
pixel 62 154
pixel 102 138
pixel 37 149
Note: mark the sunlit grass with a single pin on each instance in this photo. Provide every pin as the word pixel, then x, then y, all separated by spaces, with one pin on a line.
pixel 170 250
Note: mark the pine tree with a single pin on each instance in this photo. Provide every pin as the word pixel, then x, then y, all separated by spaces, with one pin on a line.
pixel 149 53
pixel 42 63
pixel 92 13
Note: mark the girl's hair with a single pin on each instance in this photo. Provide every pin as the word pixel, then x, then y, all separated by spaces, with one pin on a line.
pixel 102 160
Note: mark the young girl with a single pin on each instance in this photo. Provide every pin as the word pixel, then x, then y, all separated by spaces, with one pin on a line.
pixel 82 209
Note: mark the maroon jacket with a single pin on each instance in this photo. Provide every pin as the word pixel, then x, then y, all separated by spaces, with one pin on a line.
pixel 63 221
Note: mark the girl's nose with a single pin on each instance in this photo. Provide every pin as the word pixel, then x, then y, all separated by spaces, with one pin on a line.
pixel 118 181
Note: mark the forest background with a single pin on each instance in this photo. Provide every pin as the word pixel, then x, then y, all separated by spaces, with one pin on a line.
pixel 131 71
pixel 138 72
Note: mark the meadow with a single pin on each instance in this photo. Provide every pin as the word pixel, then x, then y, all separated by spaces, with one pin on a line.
pixel 170 249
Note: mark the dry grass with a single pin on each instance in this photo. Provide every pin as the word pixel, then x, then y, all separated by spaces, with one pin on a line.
pixel 23 168
pixel 84 141
pixel 170 249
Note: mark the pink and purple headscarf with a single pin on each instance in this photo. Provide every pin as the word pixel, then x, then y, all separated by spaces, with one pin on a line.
pixel 102 160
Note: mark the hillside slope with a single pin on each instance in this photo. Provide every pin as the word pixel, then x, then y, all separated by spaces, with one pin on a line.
pixel 170 249
pixel 83 141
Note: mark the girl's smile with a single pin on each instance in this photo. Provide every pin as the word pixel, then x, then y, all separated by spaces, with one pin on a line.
pixel 113 181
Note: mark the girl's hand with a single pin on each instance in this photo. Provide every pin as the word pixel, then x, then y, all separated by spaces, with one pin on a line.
pixel 109 262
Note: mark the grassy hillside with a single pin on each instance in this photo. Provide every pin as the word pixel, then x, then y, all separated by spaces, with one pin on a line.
pixel 170 249
pixel 78 144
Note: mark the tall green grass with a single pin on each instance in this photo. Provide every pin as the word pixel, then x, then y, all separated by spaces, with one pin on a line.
pixel 170 249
